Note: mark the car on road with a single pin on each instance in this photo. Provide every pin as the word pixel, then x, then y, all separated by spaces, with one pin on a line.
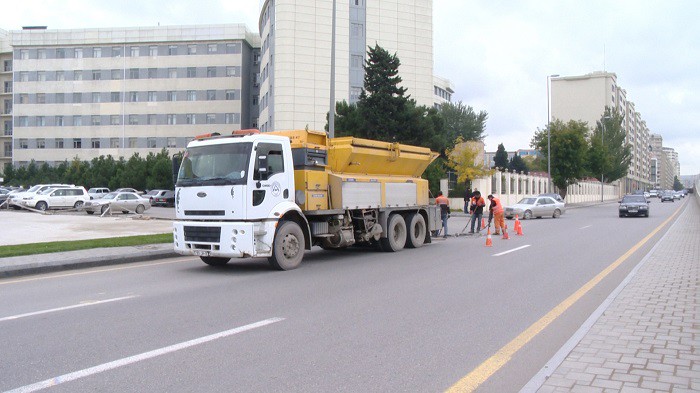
pixel 633 205
pixel 667 196
pixel 57 198
pixel 118 201
pixel 98 192
pixel 654 193
pixel 535 207
pixel 166 199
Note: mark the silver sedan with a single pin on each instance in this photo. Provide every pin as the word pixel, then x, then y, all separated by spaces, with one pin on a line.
pixel 118 201
pixel 542 206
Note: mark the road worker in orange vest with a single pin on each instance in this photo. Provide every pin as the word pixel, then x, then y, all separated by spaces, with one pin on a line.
pixel 444 204
pixel 497 210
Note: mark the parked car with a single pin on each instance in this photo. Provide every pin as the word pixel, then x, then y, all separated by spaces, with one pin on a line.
pixel 16 198
pixel 153 194
pixel 539 206
pixel 554 196
pixel 129 190
pixel 98 192
pixel 667 196
pixel 57 198
pixel 166 199
pixel 4 194
pixel 633 205
pixel 118 201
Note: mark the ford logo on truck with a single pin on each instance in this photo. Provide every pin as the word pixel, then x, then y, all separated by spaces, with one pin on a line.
pixel 201 194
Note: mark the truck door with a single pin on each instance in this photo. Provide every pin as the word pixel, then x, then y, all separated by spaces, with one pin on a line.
pixel 270 183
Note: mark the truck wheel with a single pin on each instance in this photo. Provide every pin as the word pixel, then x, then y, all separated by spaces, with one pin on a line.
pixel 215 261
pixel 288 247
pixel 416 230
pixel 396 234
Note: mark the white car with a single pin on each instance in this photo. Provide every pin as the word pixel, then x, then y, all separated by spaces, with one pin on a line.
pixel 18 197
pixel 540 206
pixel 118 201
pixel 58 198
pixel 98 192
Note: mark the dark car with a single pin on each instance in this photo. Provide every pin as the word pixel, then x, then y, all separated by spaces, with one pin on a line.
pixel 634 205
pixel 166 199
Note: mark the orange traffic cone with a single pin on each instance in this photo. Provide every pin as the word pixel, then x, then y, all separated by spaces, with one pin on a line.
pixel 518 226
pixel 489 242
pixel 483 223
pixel 505 234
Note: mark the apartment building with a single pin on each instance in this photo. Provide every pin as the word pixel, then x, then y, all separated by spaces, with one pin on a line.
pixel 90 92
pixel 585 97
pixel 296 55
pixel 662 168
pixel 443 91
pixel 5 99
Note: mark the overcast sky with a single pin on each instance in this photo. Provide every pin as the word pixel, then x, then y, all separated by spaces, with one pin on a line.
pixel 497 53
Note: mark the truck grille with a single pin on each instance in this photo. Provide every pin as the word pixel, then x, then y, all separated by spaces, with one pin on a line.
pixel 203 234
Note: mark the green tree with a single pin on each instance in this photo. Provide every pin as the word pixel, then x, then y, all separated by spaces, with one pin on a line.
pixel 677 185
pixel 609 154
pixel 433 173
pixel 569 149
pixel 464 159
pixel 461 120
pixel 500 159
pixel 517 164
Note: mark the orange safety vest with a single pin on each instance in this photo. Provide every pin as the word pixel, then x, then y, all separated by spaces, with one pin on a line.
pixel 497 207
pixel 442 200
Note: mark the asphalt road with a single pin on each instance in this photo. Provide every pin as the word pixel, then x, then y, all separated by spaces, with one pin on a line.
pixel 352 321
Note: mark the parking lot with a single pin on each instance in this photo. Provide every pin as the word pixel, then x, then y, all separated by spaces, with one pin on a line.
pixel 24 227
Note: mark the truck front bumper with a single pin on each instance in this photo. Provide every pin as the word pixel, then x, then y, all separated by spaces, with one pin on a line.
pixel 224 239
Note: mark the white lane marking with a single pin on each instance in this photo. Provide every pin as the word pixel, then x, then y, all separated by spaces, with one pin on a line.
pixel 587 226
pixel 509 251
pixel 137 358
pixel 86 304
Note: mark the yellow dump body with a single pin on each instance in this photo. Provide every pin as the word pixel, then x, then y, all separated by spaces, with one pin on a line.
pixel 355 173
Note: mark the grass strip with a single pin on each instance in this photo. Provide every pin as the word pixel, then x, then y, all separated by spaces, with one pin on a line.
pixel 50 247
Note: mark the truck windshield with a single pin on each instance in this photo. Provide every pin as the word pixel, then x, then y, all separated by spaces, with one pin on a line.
pixel 212 165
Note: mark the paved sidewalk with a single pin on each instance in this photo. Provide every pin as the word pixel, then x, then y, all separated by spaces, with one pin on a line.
pixel 648 339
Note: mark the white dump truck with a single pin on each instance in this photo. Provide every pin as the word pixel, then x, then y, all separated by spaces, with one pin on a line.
pixel 276 194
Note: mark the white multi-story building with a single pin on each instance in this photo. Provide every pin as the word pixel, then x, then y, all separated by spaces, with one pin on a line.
pixel 662 169
pixel 295 69
pixel 585 97
pixel 5 99
pixel 443 90
pixel 90 92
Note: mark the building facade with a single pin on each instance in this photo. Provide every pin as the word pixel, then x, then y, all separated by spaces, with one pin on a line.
pixel 6 86
pixel 295 69
pixel 91 92
pixel 443 91
pixel 585 97
pixel 662 169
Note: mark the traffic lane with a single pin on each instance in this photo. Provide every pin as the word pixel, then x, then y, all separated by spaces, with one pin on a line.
pixel 410 322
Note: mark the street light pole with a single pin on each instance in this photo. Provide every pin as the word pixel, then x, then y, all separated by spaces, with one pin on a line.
pixel 549 141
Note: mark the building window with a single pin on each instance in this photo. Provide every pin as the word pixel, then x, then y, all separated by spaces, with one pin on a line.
pixel 357 30
pixel 77 143
pixel 133 96
pixel 132 143
pixel 233 48
pixel 133 120
pixel 8 127
pixel 255 100
pixel 59 121
pixel 114 120
pixel 153 50
pixel 356 61
pixel 232 71
pixel 96 98
pixel 23 121
pixel 190 118
pixel 116 51
pixel 23 144
pixel 78 53
pixel 211 72
pixel 77 75
pixel 60 76
pixel 41 53
pixel 231 95
pixel 151 143
pixel 59 143
pixel 24 76
pixel 60 53
pixel 172 72
pixel 172 142
pixel 77 120
pixel 191 49
pixel 211 118
pixel 114 143
pixel 41 98
pixel 232 118
pixel 172 119
pixel 23 54
pixel 41 76
pixel 191 95
pixel 212 48
pixel 115 96
pixel 7 65
pixel 152 97
pixel 133 73
pixel 191 72
pixel 95 143
pixel 95 120
pixel 41 121
pixel 41 143
pixel 96 52
pixel 96 75
pixel 24 98
pixel 211 95
pixel 151 119
pixel 152 73
pixel 134 51
pixel 172 50
pixel 171 96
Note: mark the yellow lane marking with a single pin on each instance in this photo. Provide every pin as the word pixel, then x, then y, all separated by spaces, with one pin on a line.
pixel 133 266
pixel 485 370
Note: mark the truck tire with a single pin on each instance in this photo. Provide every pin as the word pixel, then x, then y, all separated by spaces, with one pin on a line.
pixel 416 230
pixel 395 239
pixel 288 247
pixel 215 261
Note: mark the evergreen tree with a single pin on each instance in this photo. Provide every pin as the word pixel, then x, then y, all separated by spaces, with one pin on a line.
pixel 517 164
pixel 500 159
pixel 609 154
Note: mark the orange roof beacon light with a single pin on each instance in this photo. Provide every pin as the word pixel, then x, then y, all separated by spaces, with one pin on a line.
pixel 249 131
pixel 206 136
